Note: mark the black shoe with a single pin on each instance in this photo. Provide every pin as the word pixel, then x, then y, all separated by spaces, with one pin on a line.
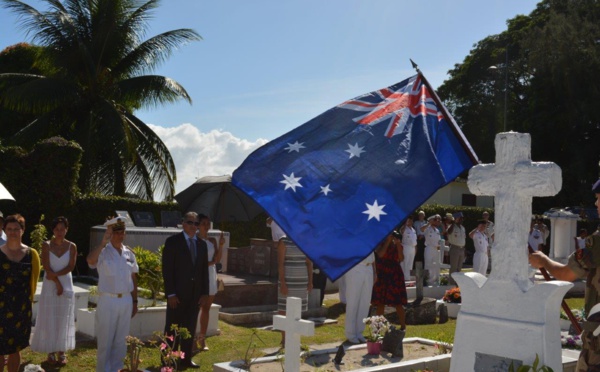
pixel 190 364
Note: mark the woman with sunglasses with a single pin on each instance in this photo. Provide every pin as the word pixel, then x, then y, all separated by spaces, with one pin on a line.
pixel 20 269
pixel 55 324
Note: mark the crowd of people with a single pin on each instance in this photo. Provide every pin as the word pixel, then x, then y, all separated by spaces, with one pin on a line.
pixel 190 279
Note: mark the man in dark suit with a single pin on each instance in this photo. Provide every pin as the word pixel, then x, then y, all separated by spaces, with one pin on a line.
pixel 185 272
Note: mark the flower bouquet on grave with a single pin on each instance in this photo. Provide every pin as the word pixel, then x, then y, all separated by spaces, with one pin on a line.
pixel 378 326
pixel 452 295
pixel 579 314
pixel 571 342
pixel 169 346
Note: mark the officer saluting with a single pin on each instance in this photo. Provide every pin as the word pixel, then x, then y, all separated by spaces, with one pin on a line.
pixel 117 294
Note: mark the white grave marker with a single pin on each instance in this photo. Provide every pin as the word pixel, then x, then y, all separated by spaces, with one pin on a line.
pixel 505 317
pixel 293 325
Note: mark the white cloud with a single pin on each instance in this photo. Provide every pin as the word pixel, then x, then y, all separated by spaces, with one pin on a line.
pixel 197 154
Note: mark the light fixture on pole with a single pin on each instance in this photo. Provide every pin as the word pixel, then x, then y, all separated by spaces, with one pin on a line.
pixel 505 83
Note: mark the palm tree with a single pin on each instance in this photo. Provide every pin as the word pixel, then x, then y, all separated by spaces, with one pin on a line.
pixel 97 59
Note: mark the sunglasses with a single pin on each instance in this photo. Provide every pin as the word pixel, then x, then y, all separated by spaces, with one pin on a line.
pixel 193 223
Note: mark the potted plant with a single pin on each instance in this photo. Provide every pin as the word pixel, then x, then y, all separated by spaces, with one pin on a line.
pixel 134 349
pixel 169 346
pixel 452 299
pixel 378 326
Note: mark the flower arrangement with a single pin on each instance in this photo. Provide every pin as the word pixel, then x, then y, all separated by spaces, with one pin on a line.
pixel 452 295
pixel 444 280
pixel 571 342
pixel 169 344
pixel 579 314
pixel 378 327
pixel 134 349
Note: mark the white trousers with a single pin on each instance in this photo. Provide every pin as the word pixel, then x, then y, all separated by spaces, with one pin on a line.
pixel 359 286
pixel 409 259
pixel 432 263
pixel 342 288
pixel 480 262
pixel 113 317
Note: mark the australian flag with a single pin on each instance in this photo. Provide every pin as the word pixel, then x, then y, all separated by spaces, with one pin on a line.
pixel 340 183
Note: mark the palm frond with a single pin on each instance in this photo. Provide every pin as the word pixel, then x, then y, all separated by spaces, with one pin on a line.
pixel 155 51
pixel 152 90
pixel 36 94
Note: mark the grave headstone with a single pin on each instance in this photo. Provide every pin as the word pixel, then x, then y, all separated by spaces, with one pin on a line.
pixel 419 277
pixel 443 314
pixel 506 307
pixel 488 362
pixel 293 325
pixel 143 219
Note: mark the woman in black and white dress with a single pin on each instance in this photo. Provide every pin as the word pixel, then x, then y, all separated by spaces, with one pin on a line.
pixel 214 256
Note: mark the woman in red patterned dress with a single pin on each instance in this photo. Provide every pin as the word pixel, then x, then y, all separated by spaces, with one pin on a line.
pixel 390 289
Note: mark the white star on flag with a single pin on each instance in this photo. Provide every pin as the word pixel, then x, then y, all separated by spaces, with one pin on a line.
pixel 294 147
pixel 325 189
pixel 374 210
pixel 291 182
pixel 355 150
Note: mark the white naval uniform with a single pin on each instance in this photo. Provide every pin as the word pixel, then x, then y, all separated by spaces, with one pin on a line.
pixel 359 286
pixel 432 255
pixel 113 313
pixel 480 259
pixel 409 245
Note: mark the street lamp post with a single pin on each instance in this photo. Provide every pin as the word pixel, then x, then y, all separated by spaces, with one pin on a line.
pixel 505 84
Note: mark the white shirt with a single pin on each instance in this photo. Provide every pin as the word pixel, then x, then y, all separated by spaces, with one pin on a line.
pixel 418 224
pixel 210 247
pixel 115 270
pixel 480 241
pixel 489 229
pixel 409 237
pixel 536 237
pixel 432 236
pixel 458 236
pixel 276 232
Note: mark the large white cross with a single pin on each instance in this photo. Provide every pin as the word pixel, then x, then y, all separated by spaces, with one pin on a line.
pixel 293 325
pixel 513 181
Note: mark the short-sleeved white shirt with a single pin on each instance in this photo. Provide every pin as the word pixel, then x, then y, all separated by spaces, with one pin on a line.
pixel 409 237
pixel 114 270
pixel 480 241
pixel 432 236
pixel 276 232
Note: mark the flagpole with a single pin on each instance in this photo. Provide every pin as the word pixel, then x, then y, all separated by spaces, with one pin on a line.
pixel 449 118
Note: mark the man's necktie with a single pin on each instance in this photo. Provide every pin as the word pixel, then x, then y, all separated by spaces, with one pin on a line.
pixel 192 246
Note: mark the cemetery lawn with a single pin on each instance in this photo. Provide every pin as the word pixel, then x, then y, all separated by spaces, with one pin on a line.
pixel 237 341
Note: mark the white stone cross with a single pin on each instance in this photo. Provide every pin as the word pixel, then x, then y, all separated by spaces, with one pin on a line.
pixel 513 181
pixel 293 325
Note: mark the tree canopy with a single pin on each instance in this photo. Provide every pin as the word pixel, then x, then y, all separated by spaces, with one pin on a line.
pixel 86 82
pixel 547 65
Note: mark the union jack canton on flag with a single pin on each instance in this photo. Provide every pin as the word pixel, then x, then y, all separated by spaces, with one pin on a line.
pixel 340 183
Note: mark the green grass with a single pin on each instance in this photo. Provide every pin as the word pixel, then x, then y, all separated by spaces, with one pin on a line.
pixel 237 341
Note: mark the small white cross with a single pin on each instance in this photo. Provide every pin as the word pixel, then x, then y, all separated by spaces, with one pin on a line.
pixel 293 325
pixel 513 181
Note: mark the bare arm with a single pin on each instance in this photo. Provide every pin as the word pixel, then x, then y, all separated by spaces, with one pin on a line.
pixel 559 271
pixel 134 295
pixel 72 260
pixel 380 251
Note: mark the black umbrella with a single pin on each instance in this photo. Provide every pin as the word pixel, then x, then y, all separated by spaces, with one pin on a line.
pixel 218 198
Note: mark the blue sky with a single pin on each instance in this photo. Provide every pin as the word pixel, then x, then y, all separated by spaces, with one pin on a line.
pixel 266 67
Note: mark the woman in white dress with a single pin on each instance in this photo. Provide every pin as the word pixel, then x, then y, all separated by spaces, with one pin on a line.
pixel 214 256
pixel 55 325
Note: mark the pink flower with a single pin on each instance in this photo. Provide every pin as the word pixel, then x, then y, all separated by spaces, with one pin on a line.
pixel 170 338
pixel 163 346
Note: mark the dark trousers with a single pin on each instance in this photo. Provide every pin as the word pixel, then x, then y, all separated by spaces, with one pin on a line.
pixel 185 315
pixel 420 252
pixel 319 282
